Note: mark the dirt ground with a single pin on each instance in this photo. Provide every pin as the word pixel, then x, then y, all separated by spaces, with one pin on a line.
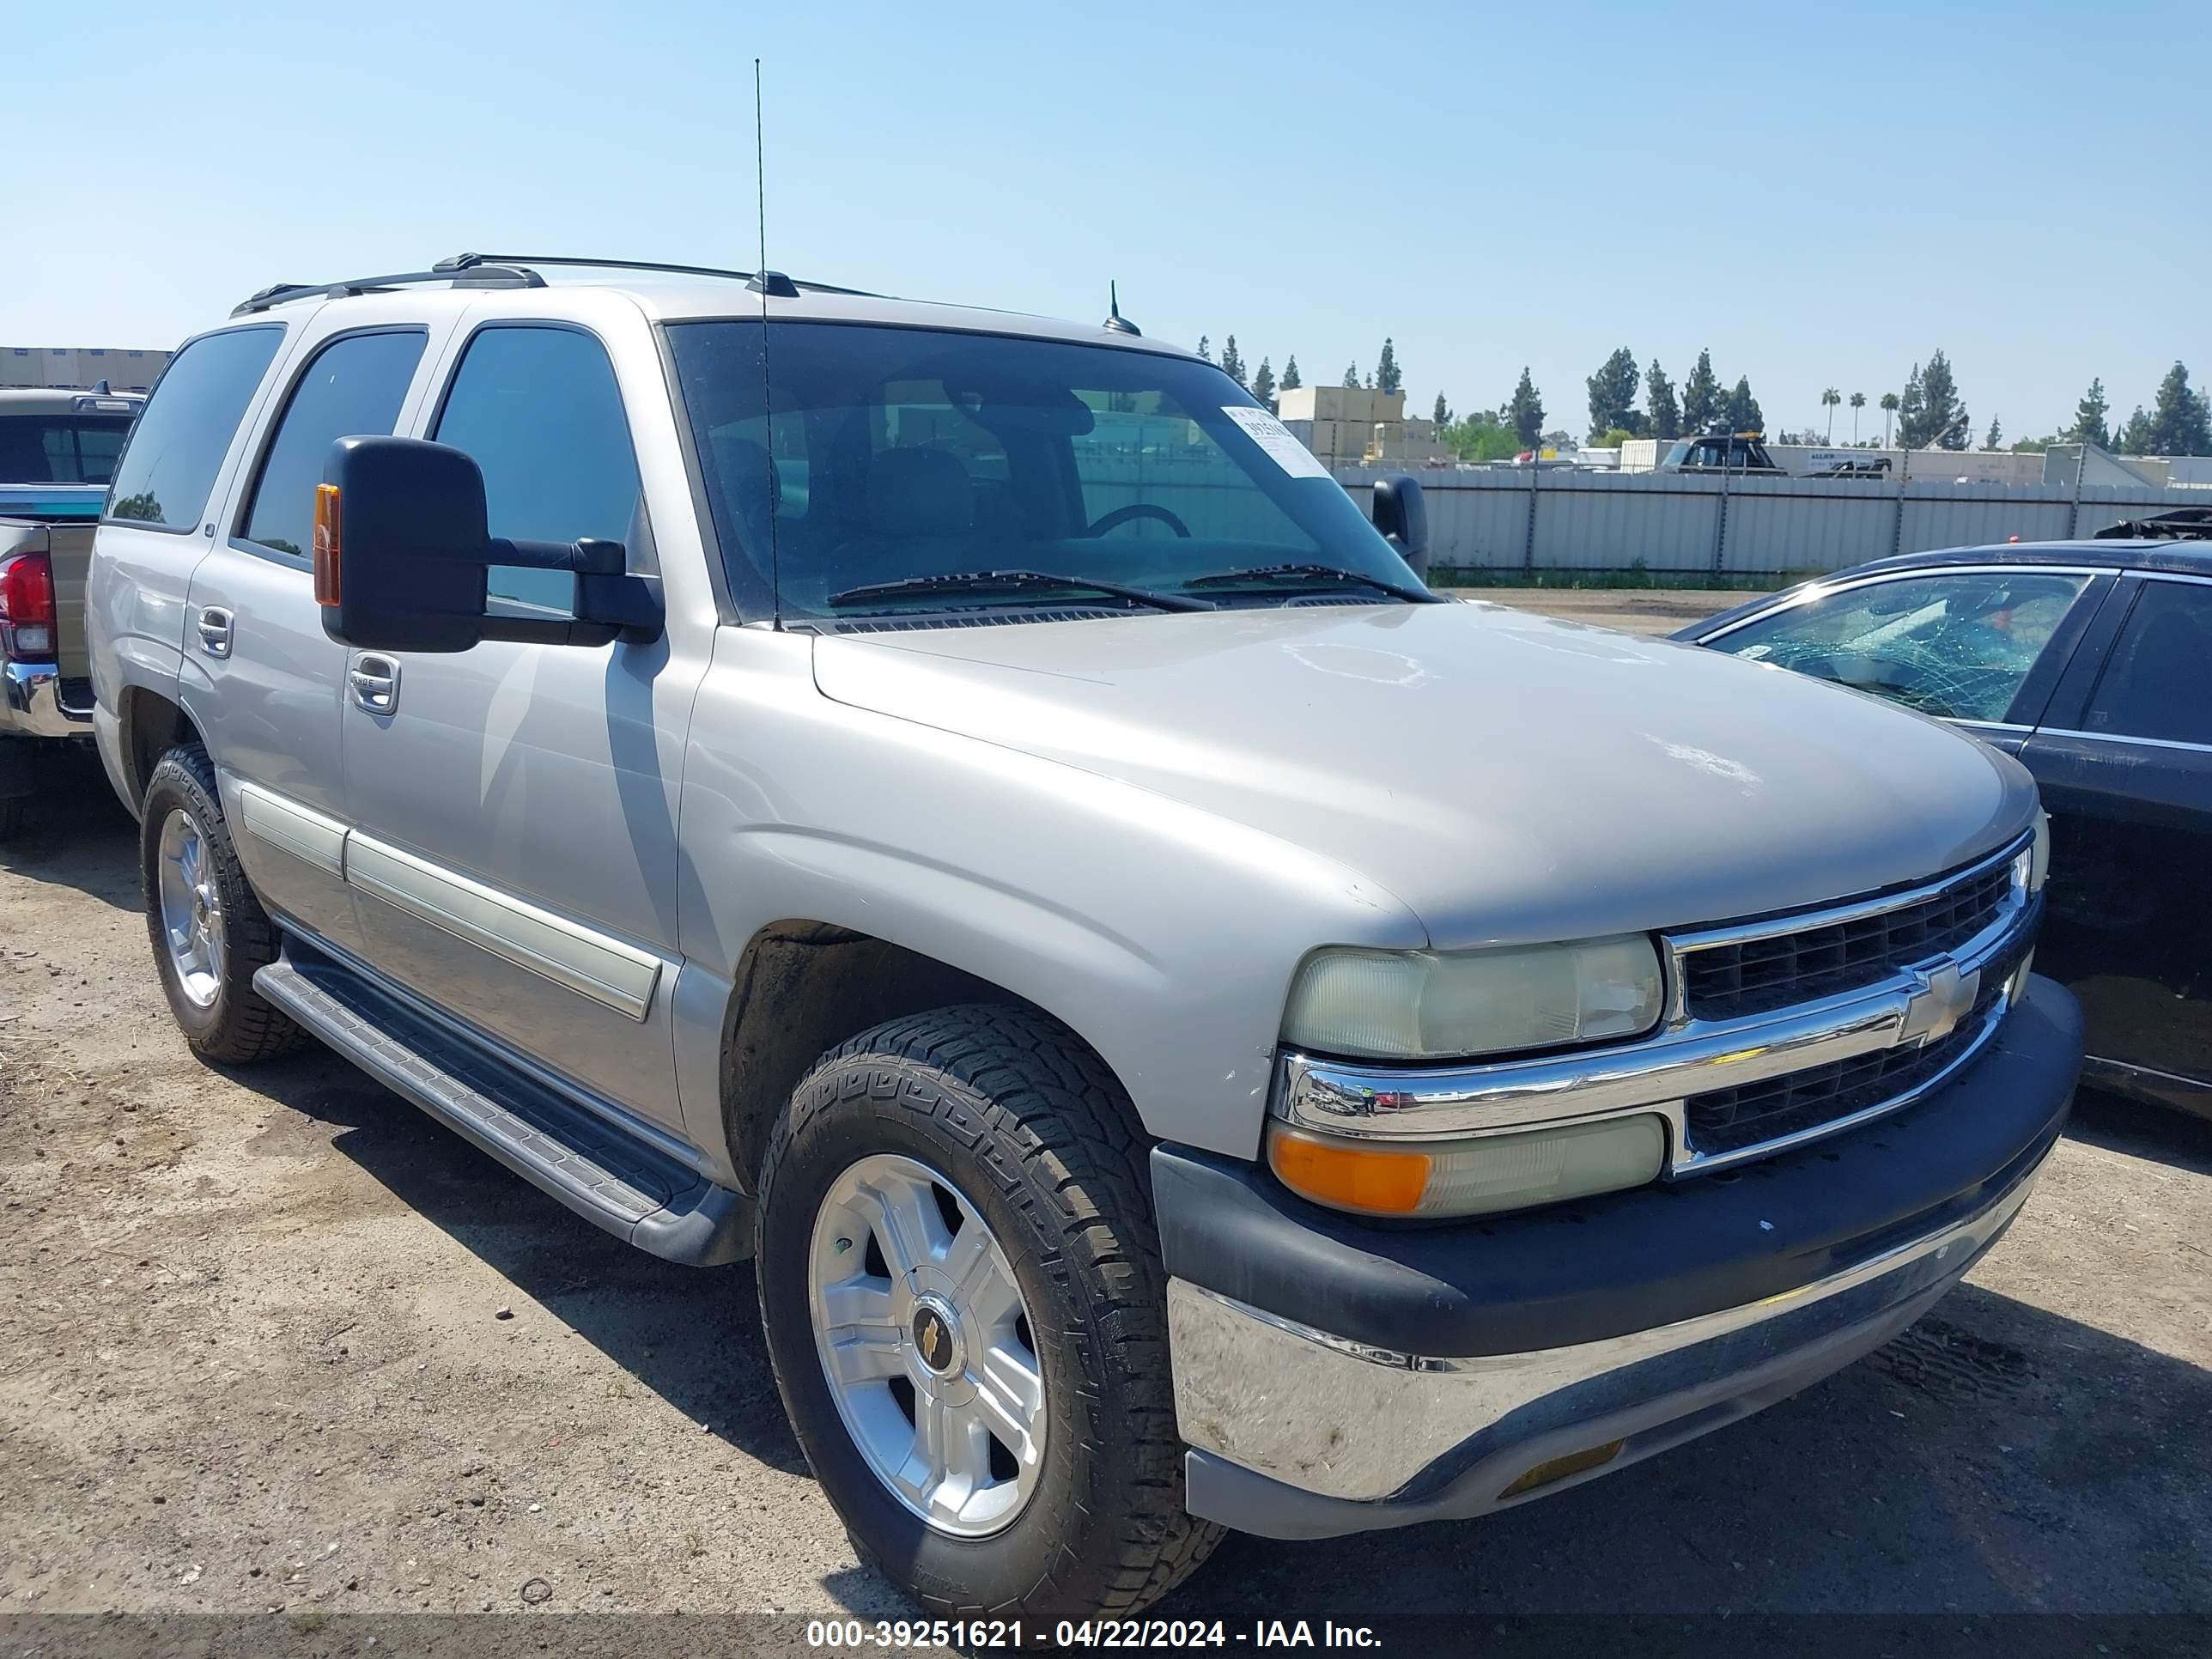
pixel 1632 610
pixel 275 1341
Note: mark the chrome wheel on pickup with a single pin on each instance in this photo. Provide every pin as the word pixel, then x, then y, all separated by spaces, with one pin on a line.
pixel 926 1343
pixel 960 1280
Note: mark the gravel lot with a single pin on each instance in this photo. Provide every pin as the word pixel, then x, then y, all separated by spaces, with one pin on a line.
pixel 274 1339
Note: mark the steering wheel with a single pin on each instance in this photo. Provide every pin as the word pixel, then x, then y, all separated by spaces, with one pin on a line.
pixel 1122 515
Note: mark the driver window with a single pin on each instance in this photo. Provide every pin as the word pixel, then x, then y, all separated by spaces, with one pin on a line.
pixel 1956 646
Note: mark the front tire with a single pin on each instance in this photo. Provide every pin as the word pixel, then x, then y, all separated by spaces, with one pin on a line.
pixel 208 932
pixel 955 1219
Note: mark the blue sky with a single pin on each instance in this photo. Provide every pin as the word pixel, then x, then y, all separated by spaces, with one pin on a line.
pixel 1820 194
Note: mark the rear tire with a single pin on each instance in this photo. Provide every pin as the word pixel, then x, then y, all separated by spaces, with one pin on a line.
pixel 1035 1141
pixel 208 932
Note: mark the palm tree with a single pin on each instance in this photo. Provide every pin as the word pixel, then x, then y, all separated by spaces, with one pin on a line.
pixel 1829 399
pixel 1858 402
pixel 1889 409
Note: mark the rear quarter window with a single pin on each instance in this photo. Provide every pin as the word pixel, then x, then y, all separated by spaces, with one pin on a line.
pixel 168 468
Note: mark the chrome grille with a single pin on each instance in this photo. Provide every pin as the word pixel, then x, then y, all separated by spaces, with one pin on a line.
pixel 1728 1120
pixel 1779 970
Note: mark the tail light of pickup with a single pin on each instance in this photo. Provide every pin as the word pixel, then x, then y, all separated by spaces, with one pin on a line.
pixel 27 607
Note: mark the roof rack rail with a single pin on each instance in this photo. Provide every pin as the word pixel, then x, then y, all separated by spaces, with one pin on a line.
pixel 476 275
pixel 479 261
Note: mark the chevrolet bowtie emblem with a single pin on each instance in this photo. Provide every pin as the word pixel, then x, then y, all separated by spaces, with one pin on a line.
pixel 1944 997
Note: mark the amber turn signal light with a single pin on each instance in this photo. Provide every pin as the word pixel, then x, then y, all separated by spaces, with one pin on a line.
pixel 326 543
pixel 1374 1181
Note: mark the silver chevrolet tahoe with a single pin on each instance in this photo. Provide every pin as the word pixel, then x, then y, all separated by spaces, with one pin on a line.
pixel 1193 1029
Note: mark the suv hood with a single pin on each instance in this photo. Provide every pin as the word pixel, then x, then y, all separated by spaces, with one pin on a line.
pixel 1509 778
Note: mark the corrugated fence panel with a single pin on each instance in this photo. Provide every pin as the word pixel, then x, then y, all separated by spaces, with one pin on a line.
pixel 1478 518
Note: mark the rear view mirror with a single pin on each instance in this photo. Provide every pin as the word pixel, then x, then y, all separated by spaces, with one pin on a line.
pixel 402 556
pixel 1400 511
pixel 400 545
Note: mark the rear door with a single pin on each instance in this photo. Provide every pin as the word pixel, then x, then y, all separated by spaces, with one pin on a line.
pixel 2125 761
pixel 514 858
pixel 254 632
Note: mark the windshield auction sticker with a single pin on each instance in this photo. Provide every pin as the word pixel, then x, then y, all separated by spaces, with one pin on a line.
pixel 1272 436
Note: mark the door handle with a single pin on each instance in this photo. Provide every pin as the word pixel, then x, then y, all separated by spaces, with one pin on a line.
pixel 375 682
pixel 215 625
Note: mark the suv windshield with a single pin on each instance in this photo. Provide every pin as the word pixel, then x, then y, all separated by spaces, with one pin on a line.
pixel 902 452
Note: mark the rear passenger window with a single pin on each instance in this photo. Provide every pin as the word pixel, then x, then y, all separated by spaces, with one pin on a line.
pixel 352 386
pixel 539 412
pixel 2158 681
pixel 168 468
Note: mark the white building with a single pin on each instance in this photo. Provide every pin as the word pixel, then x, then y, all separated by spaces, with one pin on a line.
pixel 79 368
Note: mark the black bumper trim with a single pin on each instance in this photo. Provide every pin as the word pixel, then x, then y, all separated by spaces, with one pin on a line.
pixel 1602 1268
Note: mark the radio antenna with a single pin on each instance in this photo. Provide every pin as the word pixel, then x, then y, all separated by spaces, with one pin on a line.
pixel 761 280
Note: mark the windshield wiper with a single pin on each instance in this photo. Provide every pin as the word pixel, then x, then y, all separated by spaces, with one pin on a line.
pixel 1013 581
pixel 1311 575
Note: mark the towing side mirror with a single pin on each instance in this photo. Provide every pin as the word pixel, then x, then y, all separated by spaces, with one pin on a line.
pixel 1402 515
pixel 402 556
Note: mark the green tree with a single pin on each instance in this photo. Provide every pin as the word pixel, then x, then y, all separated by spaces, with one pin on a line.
pixel 1858 402
pixel 2089 414
pixel 1613 436
pixel 1525 412
pixel 2179 420
pixel 1291 380
pixel 1484 436
pixel 1742 412
pixel 1441 415
pixel 1232 364
pixel 2032 446
pixel 1890 405
pixel 1829 399
pixel 1202 348
pixel 1663 414
pixel 1613 395
pixel 1931 415
pixel 1387 377
pixel 1701 396
pixel 1263 387
pixel 1351 375
pixel 2132 436
pixel 1995 436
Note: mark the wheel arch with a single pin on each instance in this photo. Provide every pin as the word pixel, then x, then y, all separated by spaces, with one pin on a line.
pixel 149 726
pixel 801 987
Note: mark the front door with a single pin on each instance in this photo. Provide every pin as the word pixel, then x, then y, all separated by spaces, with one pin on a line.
pixel 2125 769
pixel 252 629
pixel 514 854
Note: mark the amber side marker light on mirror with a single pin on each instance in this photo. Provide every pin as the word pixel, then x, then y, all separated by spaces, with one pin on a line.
pixel 326 543
pixel 1375 1182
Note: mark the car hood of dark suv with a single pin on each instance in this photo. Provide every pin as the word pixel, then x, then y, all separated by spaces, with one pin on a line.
pixel 1509 777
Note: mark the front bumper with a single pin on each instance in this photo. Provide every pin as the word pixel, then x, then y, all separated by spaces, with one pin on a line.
pixel 32 704
pixel 1333 1376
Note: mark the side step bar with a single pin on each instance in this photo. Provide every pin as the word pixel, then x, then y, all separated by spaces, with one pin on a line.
pixel 613 1179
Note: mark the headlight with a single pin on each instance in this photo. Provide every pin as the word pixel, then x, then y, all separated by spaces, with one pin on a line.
pixel 1477 1175
pixel 1430 1005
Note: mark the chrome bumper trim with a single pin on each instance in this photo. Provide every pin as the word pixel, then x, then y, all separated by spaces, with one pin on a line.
pixel 1351 1422
pixel 1687 1057
pixel 31 703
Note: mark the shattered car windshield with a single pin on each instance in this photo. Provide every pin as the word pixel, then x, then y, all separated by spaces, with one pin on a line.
pixel 896 453
pixel 1953 645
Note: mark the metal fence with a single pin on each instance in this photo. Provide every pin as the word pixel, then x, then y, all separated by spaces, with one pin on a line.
pixel 1533 519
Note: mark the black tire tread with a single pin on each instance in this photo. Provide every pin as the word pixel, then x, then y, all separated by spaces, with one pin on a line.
pixel 253 1029
pixel 1046 1095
